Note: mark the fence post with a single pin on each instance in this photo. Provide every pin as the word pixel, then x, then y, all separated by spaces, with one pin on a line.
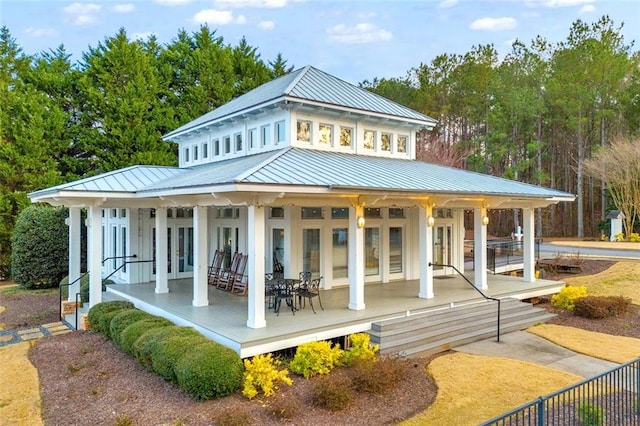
pixel 540 411
pixel 637 366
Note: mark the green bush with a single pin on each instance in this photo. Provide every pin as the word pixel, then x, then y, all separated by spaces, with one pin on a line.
pixel 84 288
pixel 597 307
pixel 100 309
pixel 168 351
pixel 361 350
pixel 314 358
pixel 39 247
pixel 262 374
pixel 148 341
pixel 105 322
pixel 332 392
pixel 133 331
pixel 567 296
pixel 209 370
pixel 123 320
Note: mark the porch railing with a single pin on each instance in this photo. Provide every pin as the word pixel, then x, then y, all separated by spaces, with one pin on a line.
pixel 504 252
pixel 76 297
pixel 610 398
pixel 476 289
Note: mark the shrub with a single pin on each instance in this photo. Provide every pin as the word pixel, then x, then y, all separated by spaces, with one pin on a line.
pixel 597 307
pixel 379 377
pixel 234 418
pixel 634 237
pixel 39 256
pixel 168 351
pixel 590 414
pixel 133 331
pixel 84 288
pixel 148 341
pixel 619 236
pixel 105 322
pixel 314 358
pixel 361 349
pixel 332 392
pixel 209 370
pixel 100 309
pixel 567 296
pixel 262 374
pixel 283 408
pixel 123 320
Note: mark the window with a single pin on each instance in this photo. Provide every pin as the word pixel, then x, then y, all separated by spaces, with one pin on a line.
pixel 276 213
pixel 326 131
pixel 227 144
pixel 304 131
pixel 395 250
pixel 123 213
pixel 312 212
pixel 216 147
pixel 340 253
pixel 373 213
pixel 253 138
pixel 238 139
pixel 369 139
pixel 195 153
pixel 114 213
pixel 339 213
pixel 402 143
pixel 265 135
pixel 186 155
pixel 280 132
pixel 346 136
pixel 228 213
pixel 385 142
pixel 205 150
pixel 396 213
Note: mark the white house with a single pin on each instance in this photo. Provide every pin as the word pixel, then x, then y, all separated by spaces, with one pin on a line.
pixel 308 170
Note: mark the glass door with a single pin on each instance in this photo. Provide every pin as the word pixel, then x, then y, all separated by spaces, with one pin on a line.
pixel 396 262
pixel 184 251
pixel 311 251
pixel 277 240
pixel 372 253
pixel 442 249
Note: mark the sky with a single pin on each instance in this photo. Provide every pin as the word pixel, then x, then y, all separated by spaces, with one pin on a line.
pixel 353 40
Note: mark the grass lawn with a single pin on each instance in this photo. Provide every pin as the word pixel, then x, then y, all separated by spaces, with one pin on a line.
pixel 19 387
pixel 622 279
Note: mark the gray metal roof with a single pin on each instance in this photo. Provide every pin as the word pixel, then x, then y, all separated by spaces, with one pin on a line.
pixel 308 84
pixel 129 179
pixel 305 167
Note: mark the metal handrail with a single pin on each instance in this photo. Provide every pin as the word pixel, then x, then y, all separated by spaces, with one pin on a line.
pixel 60 294
pixel 476 289
pixel 124 264
pixel 119 257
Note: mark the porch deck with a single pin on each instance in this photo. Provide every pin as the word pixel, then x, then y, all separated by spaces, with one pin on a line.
pixel 224 320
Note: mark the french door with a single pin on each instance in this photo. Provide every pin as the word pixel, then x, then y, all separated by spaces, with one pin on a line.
pixel 180 251
pixel 442 249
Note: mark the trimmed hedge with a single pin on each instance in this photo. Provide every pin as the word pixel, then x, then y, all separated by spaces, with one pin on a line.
pixel 39 247
pixel 168 351
pixel 123 320
pixel 148 342
pixel 133 331
pixel 209 370
pixel 105 322
pixel 100 309
pixel 84 288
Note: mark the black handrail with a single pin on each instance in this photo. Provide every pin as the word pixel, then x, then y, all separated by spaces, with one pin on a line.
pixel 476 289
pixel 124 264
pixel 119 257
pixel 60 295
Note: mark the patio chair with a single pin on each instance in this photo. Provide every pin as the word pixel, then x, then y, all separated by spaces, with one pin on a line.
pixel 215 267
pixel 305 278
pixel 310 291
pixel 239 280
pixel 283 290
pixel 224 281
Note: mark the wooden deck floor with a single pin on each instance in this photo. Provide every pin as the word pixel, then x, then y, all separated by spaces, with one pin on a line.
pixel 224 320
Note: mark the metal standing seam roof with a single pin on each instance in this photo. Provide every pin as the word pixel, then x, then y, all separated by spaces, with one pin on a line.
pixel 306 167
pixel 308 84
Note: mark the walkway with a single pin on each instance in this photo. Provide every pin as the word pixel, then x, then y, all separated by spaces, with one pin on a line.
pixel 9 337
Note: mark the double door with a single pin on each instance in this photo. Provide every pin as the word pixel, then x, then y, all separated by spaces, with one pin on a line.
pixel 180 252
pixel 442 249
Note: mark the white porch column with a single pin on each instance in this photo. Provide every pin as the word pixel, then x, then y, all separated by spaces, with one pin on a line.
pixel 425 233
pixel 480 248
pixel 200 264
pixel 356 259
pixel 255 263
pixel 94 241
pixel 162 251
pixel 74 222
pixel 528 245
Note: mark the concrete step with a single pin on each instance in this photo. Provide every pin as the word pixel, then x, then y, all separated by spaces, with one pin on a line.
pixel 441 330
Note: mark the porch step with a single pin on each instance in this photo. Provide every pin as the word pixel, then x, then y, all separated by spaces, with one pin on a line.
pixel 444 329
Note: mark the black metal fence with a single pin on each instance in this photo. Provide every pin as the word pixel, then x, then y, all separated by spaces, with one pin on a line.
pixel 611 398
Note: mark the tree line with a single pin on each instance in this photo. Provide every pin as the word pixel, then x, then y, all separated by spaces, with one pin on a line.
pixel 60 121
pixel 535 116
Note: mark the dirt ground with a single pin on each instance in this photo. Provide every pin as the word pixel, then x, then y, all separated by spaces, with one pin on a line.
pixel 85 379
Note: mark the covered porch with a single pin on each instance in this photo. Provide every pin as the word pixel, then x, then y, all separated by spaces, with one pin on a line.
pixel 224 318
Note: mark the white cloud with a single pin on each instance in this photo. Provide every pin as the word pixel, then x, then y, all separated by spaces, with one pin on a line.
pixel 241 20
pixel 493 24
pixel 588 8
pixel 358 34
pixel 172 2
pixel 124 8
pixel 141 36
pixel 446 4
pixel 557 3
pixel 41 32
pixel 82 13
pixel 268 4
pixel 266 25
pixel 213 16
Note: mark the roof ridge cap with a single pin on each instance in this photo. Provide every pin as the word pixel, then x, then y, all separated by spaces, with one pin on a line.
pixel 278 153
pixel 303 71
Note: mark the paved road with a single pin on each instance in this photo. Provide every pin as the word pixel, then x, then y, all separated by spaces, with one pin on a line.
pixel 551 250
